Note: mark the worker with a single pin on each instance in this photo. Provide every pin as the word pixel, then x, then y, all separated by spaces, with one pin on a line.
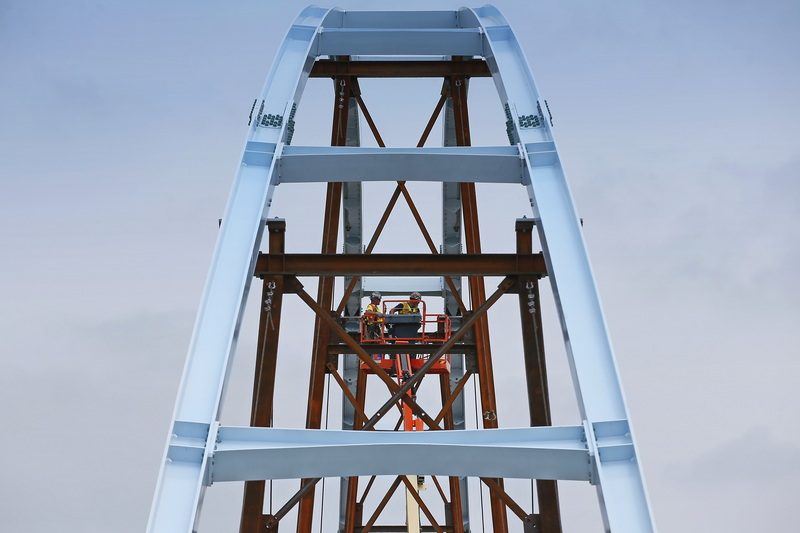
pixel 373 317
pixel 408 330
pixel 410 306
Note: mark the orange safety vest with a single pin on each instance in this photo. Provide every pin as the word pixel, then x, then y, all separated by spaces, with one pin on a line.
pixel 372 319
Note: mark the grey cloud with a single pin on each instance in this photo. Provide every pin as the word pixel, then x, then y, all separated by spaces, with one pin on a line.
pixel 755 455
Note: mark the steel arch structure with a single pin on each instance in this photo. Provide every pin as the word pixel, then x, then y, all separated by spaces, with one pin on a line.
pixel 599 448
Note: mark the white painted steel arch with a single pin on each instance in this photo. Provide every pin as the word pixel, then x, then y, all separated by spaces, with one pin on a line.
pixel 601 449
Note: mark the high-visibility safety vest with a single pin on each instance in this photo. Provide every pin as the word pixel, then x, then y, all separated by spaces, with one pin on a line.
pixel 373 319
pixel 408 310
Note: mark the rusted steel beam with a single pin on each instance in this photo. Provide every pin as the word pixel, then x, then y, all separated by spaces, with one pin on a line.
pixel 351 507
pixel 432 121
pixel 382 505
pixel 471 264
pixel 453 509
pixel 532 345
pixel 342 385
pixel 307 486
pixel 264 384
pixel 402 185
pixel 449 398
pixel 498 491
pixel 371 123
pixel 329 68
pixel 477 289
pixel 354 509
pixel 412 349
pixel 330 231
pixel 549 519
pixel 404 529
pixel 371 246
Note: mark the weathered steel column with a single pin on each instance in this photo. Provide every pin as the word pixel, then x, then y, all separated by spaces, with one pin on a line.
pixel 330 232
pixel 549 519
pixel 477 290
pixel 352 237
pixel 352 509
pixel 458 508
pixel 264 385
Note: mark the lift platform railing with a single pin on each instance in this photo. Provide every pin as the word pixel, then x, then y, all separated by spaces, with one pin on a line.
pixel 418 327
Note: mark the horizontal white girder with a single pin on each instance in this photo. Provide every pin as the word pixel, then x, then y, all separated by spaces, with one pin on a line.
pixel 426 286
pixel 243 453
pixel 500 164
pixel 393 19
pixel 399 42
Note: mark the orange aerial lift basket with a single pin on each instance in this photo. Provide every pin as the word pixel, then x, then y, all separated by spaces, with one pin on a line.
pixel 397 328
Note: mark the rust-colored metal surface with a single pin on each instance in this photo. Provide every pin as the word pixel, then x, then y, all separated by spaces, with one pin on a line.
pixel 549 517
pixel 333 343
pixel 330 232
pixel 477 289
pixel 400 264
pixel 329 68
pixel 253 519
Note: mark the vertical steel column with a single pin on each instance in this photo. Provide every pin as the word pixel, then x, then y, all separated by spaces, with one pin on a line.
pixel 330 232
pixel 451 244
pixel 352 511
pixel 477 289
pixel 451 207
pixel 264 386
pixel 352 226
pixel 549 519
pixel 352 234
pixel 456 514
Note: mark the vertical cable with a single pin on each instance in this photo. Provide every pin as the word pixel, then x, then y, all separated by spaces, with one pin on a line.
pixel 327 413
pixel 533 500
pixel 480 484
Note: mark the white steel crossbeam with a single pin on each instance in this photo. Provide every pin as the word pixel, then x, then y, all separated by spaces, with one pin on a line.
pixel 390 42
pixel 244 453
pixel 387 20
pixel 501 164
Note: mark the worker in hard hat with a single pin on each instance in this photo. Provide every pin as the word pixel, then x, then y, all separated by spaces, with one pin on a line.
pixel 408 330
pixel 373 317
pixel 410 306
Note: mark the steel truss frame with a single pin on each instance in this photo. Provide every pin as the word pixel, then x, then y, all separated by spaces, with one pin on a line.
pixel 601 449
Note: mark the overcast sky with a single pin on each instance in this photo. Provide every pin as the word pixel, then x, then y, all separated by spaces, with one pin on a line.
pixel 121 124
